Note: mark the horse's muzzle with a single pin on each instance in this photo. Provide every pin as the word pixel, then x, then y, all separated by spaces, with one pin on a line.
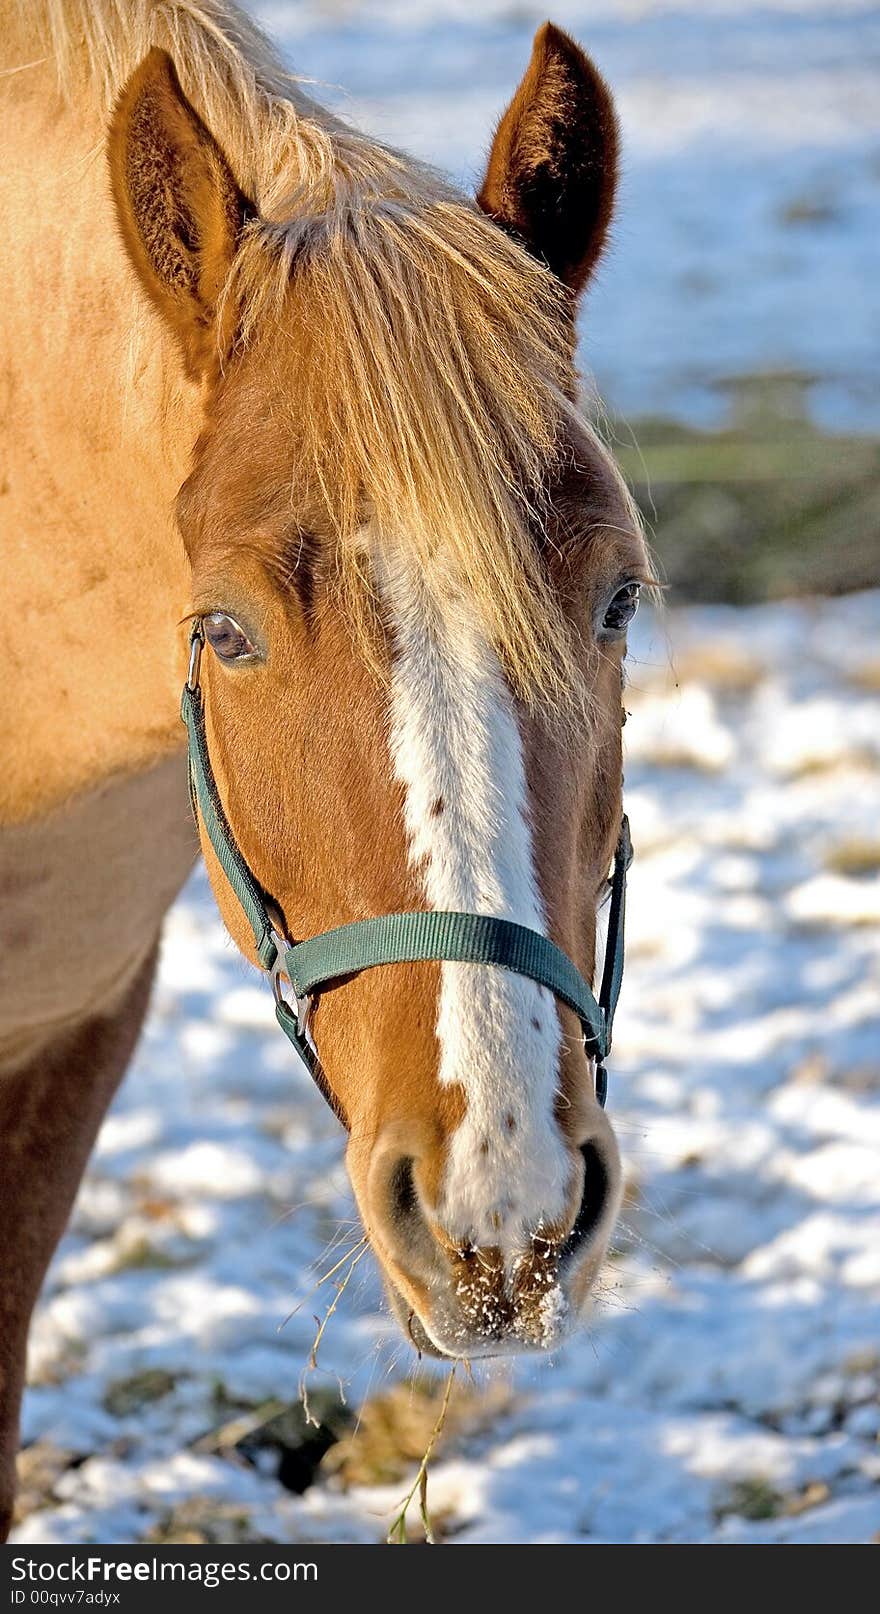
pixel 459 1301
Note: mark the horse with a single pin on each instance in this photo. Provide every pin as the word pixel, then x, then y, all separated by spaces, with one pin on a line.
pixel 283 400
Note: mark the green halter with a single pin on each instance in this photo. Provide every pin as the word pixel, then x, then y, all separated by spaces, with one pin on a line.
pixel 397 938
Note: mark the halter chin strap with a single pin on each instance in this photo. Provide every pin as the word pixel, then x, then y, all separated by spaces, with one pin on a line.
pixel 398 938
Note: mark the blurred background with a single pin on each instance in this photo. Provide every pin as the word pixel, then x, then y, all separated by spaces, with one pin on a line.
pixel 727 1384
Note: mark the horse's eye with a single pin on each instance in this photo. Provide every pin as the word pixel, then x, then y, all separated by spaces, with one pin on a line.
pixel 227 638
pixel 622 609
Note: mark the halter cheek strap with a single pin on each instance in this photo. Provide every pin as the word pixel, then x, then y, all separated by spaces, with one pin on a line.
pixel 418 937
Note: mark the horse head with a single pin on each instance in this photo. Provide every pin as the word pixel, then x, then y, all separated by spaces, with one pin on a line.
pixel 414 564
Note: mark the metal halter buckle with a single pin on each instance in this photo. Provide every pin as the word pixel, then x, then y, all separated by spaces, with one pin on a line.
pixel 301 1007
pixel 196 646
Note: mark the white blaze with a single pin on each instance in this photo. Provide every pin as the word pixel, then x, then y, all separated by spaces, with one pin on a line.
pixel 457 749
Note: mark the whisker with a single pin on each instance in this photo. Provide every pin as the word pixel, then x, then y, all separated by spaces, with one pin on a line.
pixel 356 1250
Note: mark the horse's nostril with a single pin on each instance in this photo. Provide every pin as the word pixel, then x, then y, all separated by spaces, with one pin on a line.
pixel 402 1194
pixel 402 1221
pixel 593 1200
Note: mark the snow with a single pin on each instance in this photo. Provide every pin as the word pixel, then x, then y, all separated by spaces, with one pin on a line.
pixel 733 1348
pixel 726 1386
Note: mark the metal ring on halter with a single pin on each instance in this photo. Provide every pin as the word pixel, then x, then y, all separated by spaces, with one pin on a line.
pixel 302 1007
pixel 196 646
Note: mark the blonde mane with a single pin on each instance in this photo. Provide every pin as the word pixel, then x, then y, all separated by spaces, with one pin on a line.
pixel 433 355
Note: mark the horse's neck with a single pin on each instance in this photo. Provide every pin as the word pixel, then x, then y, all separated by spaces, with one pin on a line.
pixel 96 427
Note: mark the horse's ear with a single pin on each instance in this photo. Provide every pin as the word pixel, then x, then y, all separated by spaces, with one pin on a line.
pixel 179 207
pixel 552 170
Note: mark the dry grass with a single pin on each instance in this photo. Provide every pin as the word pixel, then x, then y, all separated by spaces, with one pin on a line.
pixel 138 1253
pixel 353 1257
pixel 756 1498
pixel 867 677
pixel 812 1496
pixel 670 754
pixel 40 1467
pixel 397 1535
pixel 394 1429
pixel 856 857
pixel 753 1498
pixel 204 1521
pixel 63 1365
pixel 818 766
pixel 126 1396
pixel 726 668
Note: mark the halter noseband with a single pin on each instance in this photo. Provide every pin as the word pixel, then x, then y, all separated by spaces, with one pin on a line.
pixel 397 938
